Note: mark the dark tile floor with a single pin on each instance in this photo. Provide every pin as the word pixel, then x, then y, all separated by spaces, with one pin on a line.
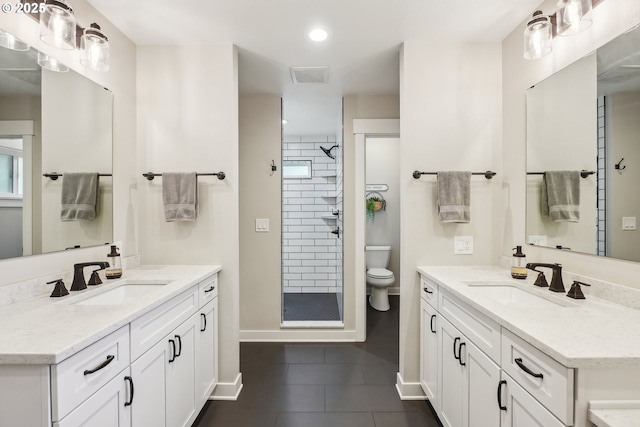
pixel 322 385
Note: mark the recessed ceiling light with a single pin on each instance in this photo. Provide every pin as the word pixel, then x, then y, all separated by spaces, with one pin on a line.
pixel 318 34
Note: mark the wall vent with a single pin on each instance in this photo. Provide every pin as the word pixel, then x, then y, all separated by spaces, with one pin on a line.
pixel 306 75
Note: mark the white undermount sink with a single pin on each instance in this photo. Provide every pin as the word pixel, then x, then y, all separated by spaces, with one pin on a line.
pixel 122 293
pixel 508 294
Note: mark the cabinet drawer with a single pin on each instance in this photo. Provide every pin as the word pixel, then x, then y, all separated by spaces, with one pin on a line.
pixel 549 382
pixel 429 291
pixel 208 289
pixel 151 327
pixel 478 328
pixel 81 375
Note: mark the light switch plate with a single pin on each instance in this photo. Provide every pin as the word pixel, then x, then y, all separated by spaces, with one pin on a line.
pixel 463 245
pixel 262 225
pixel 628 223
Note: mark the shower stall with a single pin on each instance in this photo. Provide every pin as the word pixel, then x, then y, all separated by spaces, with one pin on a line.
pixel 312 230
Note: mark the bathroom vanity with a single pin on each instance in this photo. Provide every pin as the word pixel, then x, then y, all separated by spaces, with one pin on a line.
pixel 138 351
pixel 503 352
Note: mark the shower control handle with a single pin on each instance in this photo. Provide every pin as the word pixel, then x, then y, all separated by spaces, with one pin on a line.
pixel 336 232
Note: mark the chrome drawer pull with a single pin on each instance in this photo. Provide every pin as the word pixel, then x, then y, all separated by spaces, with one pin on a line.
pixel 524 368
pixel 102 365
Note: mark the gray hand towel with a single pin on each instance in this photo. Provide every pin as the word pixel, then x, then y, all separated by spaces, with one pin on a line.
pixel 79 196
pixel 454 196
pixel 180 196
pixel 561 196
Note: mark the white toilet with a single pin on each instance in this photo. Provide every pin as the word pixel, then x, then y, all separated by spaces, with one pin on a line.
pixel 378 277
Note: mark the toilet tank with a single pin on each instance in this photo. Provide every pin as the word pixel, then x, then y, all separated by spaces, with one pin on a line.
pixel 377 256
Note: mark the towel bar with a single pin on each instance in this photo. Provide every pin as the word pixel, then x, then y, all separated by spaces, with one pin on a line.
pixel 583 173
pixel 151 175
pixel 53 176
pixel 487 174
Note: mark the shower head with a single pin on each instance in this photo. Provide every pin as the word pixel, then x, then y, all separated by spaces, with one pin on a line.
pixel 327 151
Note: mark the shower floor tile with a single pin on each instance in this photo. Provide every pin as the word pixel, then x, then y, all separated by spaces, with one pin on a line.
pixel 310 306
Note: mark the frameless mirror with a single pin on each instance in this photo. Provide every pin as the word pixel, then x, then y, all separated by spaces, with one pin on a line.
pixel 585 118
pixel 51 123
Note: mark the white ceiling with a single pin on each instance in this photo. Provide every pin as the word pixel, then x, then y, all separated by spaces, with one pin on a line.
pixel 271 35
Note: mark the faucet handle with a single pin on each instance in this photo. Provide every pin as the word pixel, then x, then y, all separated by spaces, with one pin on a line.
pixel 576 292
pixel 95 278
pixel 60 290
pixel 541 280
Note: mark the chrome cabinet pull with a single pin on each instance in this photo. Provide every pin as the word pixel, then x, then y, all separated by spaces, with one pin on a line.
pixel 100 366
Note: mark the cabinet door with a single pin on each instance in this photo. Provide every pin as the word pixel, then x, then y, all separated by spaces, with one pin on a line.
pixel 181 374
pixel 522 410
pixel 149 376
pixel 480 404
pixel 429 352
pixel 451 378
pixel 108 407
pixel 207 352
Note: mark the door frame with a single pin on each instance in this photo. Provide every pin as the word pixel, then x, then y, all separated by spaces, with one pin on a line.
pixel 363 129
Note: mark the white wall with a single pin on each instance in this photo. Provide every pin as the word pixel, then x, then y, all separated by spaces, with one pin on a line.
pixel 188 121
pixel 121 80
pixel 450 113
pixel 610 18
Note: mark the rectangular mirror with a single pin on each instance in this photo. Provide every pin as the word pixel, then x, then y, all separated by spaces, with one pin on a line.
pixel 51 123
pixel 584 119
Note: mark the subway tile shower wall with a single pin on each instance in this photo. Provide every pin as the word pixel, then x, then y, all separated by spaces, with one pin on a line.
pixel 311 253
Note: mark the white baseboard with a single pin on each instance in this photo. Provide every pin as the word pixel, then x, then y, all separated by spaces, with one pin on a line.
pixel 228 391
pixel 409 391
pixel 298 335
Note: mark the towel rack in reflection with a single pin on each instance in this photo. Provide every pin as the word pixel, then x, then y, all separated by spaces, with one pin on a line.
pixel 53 176
pixel 151 175
pixel 487 174
pixel 583 173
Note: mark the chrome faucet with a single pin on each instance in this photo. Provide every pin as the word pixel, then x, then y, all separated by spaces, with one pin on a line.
pixel 556 280
pixel 79 282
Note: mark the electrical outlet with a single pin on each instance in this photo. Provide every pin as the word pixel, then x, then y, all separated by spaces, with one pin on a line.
pixel 463 245
pixel 262 225
pixel 628 223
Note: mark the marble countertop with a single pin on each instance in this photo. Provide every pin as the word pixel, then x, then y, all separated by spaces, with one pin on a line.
pixel 577 333
pixel 614 413
pixel 46 330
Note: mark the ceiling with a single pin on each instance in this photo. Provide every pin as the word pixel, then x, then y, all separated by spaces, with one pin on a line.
pixel 271 35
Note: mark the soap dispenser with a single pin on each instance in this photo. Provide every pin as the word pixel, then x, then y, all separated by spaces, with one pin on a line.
pixel 519 266
pixel 114 271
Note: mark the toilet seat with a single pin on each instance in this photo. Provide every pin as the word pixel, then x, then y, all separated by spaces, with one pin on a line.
pixel 379 273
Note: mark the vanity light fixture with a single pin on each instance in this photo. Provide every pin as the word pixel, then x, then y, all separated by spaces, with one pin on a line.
pixel 573 16
pixel 45 61
pixel 58 25
pixel 537 36
pixel 94 48
pixel 12 42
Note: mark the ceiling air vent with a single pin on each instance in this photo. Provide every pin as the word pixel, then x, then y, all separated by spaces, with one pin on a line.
pixel 304 75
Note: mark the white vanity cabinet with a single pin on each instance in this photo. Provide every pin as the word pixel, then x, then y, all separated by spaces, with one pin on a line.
pixel 157 370
pixel 429 352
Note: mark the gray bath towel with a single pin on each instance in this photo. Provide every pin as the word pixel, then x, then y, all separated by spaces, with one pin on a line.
pixel 454 196
pixel 560 196
pixel 79 196
pixel 180 196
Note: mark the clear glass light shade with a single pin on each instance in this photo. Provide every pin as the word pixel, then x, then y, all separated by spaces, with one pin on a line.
pixel 58 25
pixel 11 42
pixel 573 16
pixel 537 37
pixel 45 61
pixel 94 46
